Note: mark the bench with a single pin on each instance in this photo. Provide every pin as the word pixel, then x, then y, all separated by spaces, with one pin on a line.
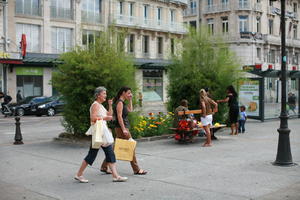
pixel 213 128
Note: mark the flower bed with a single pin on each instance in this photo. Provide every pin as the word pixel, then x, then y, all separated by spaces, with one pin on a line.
pixel 151 125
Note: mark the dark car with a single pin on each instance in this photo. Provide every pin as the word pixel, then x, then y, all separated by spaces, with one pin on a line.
pixel 50 108
pixel 28 105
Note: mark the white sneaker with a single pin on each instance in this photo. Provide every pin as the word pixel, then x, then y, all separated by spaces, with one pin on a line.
pixel 120 179
pixel 81 179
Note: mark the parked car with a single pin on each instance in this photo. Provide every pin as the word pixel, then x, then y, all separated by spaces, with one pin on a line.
pixel 27 105
pixel 50 108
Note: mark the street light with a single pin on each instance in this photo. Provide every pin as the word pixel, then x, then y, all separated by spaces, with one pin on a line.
pixel 284 155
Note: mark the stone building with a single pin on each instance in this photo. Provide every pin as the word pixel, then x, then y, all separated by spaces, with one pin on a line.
pixel 252 29
pixel 53 27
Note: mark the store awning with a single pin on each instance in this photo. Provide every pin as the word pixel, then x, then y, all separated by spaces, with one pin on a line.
pixel 270 72
pixel 41 59
pixel 144 63
pixel 11 61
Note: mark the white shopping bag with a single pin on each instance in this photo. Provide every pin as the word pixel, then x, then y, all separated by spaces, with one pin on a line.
pixel 107 136
pixel 97 134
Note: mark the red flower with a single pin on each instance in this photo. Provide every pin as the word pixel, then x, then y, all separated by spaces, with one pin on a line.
pixel 177 136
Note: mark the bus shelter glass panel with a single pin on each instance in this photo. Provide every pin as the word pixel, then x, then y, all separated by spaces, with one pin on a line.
pixel 152 85
pixel 272 97
pixel 249 97
pixel 293 97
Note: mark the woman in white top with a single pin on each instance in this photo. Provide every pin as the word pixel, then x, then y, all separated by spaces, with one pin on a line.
pixel 98 112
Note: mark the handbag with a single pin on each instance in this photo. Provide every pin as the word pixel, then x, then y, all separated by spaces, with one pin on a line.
pixel 97 134
pixel 124 149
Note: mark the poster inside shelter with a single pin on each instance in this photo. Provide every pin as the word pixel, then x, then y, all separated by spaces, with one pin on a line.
pixel 249 96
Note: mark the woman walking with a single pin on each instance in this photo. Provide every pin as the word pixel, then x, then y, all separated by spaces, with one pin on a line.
pixel 232 100
pixel 98 112
pixel 122 124
pixel 207 111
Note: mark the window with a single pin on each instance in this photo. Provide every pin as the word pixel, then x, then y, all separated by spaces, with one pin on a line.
pixel 258 24
pixel 160 45
pixel 131 9
pixel 89 37
pixel 30 85
pixel 296 59
pixel 146 14
pixel 193 24
pixel 172 16
pixel 33 37
pixel 295 32
pixel 295 7
pixel 243 3
pixel 131 43
pixel 62 39
pixel 210 3
pixel 271 26
pixel 172 46
pixel 28 7
pixel 271 56
pixel 210 23
pixel 243 23
pixel 61 9
pixel 121 7
pixel 258 53
pixel 159 15
pixel 225 24
pixel 90 11
pixel 193 5
pixel 271 2
pixel 146 44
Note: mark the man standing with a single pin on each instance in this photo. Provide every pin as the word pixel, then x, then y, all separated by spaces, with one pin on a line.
pixel 292 102
pixel 19 96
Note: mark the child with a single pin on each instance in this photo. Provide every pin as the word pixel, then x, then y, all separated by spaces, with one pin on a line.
pixel 242 120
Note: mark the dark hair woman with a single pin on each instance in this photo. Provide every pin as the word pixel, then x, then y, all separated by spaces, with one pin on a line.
pixel 121 112
pixel 232 100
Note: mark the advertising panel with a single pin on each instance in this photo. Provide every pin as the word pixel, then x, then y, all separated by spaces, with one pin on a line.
pixel 249 96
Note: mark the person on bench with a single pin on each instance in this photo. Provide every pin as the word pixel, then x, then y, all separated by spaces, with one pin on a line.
pixel 183 107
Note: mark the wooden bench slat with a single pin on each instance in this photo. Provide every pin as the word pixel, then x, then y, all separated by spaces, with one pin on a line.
pixel 189 112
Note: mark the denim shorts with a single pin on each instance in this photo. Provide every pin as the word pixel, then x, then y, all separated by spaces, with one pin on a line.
pixel 108 151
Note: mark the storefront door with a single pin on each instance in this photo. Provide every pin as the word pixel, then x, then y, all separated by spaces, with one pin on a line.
pixel 152 85
pixel 30 81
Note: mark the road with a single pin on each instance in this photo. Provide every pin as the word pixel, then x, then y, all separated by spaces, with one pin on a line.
pixel 234 168
pixel 33 128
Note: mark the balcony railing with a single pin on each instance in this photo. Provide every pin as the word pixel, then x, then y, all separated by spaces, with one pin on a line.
pixel 243 6
pixel 90 17
pixel 143 23
pixel 36 10
pixel 190 12
pixel 217 8
pixel 61 13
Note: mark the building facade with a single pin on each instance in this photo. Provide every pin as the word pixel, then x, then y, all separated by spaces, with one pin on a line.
pixel 252 29
pixel 53 27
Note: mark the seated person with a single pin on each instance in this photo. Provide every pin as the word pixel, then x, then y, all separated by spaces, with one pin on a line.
pixel 183 107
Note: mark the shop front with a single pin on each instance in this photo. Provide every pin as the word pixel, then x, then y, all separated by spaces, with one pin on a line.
pixel 30 81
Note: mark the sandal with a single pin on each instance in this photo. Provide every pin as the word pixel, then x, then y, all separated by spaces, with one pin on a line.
pixel 141 172
pixel 105 171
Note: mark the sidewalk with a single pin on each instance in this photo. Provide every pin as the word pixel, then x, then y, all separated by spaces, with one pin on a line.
pixel 235 168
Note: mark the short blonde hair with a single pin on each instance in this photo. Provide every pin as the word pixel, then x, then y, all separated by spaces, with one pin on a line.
pixel 203 93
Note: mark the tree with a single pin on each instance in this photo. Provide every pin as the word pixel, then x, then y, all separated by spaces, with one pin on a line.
pixel 82 70
pixel 204 61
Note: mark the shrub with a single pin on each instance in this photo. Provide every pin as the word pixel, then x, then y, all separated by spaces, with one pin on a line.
pixel 103 64
pixel 204 61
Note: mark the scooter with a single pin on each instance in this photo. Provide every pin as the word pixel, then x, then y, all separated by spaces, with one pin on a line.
pixel 6 111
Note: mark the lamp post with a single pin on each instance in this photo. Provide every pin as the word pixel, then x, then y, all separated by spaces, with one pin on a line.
pixel 284 156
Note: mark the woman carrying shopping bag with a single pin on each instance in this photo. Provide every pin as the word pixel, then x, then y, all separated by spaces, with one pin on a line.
pixel 122 124
pixel 98 112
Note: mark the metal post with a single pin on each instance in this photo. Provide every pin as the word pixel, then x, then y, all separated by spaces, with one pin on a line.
pixel 18 135
pixel 284 156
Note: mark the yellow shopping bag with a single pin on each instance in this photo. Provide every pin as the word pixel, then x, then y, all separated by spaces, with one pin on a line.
pixel 124 149
pixel 97 134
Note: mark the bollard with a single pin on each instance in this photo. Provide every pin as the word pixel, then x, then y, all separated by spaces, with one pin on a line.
pixel 18 135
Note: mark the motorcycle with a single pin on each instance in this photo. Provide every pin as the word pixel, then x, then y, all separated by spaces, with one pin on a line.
pixel 6 111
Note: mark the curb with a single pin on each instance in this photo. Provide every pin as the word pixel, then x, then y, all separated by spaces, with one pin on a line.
pixel 87 142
